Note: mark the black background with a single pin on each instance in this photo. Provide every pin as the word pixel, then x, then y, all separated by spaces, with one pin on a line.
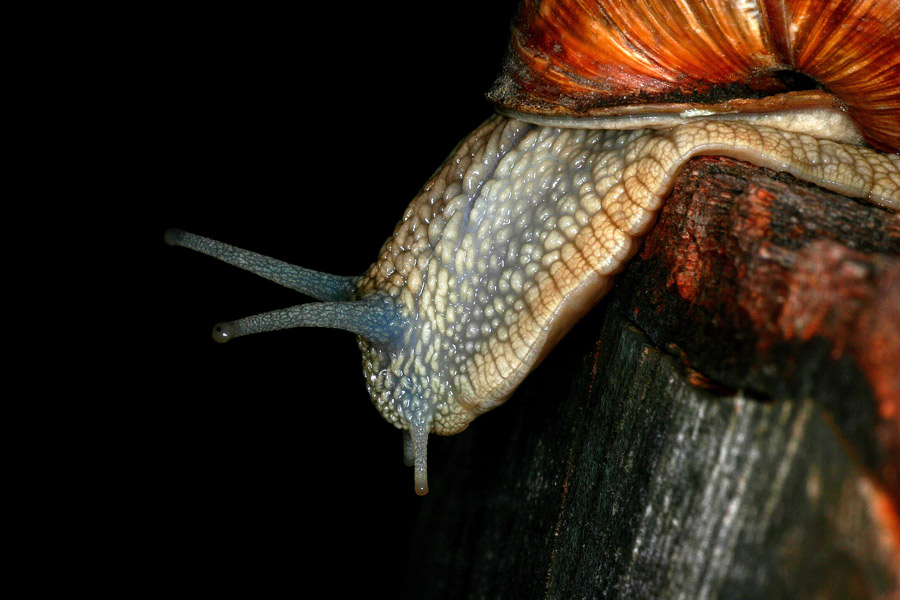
pixel 261 464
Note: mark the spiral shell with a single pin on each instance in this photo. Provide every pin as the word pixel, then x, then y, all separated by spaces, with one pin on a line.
pixel 595 58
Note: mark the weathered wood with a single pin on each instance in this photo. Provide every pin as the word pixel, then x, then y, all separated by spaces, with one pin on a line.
pixel 782 289
pixel 725 425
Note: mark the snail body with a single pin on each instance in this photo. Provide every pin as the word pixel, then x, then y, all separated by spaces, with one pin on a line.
pixel 522 229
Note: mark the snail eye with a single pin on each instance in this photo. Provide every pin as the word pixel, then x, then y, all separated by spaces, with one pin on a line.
pixel 222 332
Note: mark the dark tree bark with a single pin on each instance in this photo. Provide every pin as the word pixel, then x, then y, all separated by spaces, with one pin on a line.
pixel 726 424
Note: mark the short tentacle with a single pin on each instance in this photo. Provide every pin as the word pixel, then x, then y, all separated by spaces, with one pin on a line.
pixel 415 452
pixel 418 431
pixel 321 286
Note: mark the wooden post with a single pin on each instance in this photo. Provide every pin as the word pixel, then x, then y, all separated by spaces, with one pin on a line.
pixel 725 425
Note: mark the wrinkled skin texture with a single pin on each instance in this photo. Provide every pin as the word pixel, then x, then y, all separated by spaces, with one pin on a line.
pixel 519 234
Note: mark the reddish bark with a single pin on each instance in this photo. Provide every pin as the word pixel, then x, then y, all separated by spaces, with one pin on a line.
pixel 795 292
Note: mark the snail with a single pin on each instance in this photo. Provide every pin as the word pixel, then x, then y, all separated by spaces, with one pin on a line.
pixel 599 103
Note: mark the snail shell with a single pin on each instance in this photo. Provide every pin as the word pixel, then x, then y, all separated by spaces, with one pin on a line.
pixel 522 229
pixel 603 60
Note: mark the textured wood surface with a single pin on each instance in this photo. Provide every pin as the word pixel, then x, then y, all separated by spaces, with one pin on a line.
pixel 724 425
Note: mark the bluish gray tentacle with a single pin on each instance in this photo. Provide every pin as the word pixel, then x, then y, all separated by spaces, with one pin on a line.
pixel 321 286
pixel 374 318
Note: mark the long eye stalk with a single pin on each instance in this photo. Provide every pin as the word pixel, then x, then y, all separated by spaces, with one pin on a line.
pixel 321 286
pixel 374 318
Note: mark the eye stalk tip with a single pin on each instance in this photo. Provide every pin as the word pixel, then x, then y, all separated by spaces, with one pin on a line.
pixel 173 237
pixel 222 332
